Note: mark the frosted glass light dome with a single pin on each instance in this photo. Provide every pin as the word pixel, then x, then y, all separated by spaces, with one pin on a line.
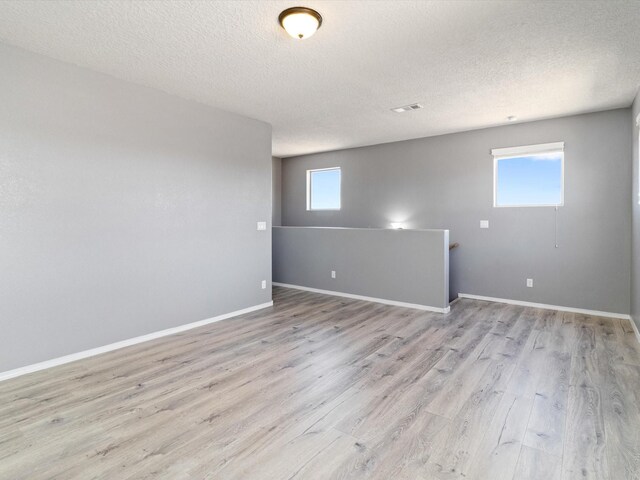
pixel 300 22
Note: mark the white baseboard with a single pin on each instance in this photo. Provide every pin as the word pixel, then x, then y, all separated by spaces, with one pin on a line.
pixel 367 299
pixel 124 343
pixel 547 307
pixel 635 329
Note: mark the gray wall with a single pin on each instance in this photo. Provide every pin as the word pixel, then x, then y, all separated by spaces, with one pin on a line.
pixel 402 265
pixel 446 182
pixel 635 202
pixel 123 210
pixel 276 191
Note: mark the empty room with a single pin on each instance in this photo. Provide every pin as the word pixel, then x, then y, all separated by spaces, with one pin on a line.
pixel 331 239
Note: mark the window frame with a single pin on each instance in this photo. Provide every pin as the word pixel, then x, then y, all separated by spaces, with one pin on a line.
pixel 309 188
pixel 527 151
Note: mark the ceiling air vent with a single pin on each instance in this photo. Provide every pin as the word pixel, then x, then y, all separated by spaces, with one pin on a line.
pixel 407 108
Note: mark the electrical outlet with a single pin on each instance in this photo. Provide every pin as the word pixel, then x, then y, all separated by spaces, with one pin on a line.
pixel 333 274
pixel 484 223
pixel 262 225
pixel 264 284
pixel 530 282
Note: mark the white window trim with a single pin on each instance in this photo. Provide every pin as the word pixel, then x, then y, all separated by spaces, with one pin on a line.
pixel 510 152
pixel 309 172
pixel 514 152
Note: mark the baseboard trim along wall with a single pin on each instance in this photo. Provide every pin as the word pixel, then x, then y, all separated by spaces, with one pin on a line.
pixel 367 299
pixel 547 307
pixel 125 343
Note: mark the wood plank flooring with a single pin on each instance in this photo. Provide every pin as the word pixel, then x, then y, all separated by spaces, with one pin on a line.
pixel 321 387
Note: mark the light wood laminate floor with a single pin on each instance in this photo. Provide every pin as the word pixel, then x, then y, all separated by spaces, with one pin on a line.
pixel 320 387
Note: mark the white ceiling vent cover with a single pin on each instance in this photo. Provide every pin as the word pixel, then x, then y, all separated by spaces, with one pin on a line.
pixel 407 108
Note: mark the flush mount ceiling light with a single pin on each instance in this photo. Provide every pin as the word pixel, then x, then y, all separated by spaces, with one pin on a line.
pixel 300 22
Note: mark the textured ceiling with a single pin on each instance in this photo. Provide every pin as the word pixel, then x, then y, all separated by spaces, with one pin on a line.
pixel 470 63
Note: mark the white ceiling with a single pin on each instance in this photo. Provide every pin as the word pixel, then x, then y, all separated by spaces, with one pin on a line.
pixel 470 63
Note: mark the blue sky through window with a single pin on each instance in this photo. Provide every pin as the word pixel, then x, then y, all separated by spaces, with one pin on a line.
pixel 325 189
pixel 529 180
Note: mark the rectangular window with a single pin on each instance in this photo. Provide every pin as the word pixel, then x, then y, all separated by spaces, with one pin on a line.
pixel 323 189
pixel 531 176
